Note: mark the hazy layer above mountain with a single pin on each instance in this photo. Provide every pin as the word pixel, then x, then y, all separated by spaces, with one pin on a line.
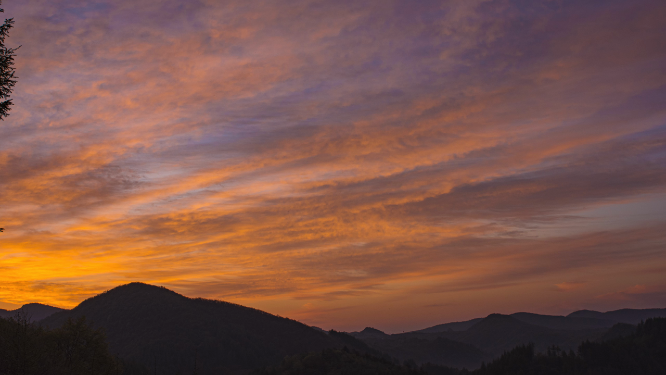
pixel 33 311
pixel 157 326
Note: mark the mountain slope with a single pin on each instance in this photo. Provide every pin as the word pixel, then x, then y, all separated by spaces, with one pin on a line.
pixel 34 311
pixel 369 333
pixel 454 326
pixel 486 339
pixel 171 332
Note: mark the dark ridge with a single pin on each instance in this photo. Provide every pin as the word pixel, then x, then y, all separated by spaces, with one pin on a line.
pixel 563 322
pixel 578 320
pixel 617 331
pixel 497 333
pixel 352 342
pixel 450 327
pixel 495 321
pixel 629 316
pixel 374 331
pixel 369 332
pixel 163 329
pixel 34 312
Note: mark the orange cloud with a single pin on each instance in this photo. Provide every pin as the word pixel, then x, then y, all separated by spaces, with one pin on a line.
pixel 567 286
pixel 340 157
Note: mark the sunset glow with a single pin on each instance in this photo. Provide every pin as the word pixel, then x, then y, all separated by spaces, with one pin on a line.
pixel 390 163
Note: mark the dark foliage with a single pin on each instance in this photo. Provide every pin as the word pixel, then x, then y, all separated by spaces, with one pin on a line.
pixel 351 342
pixel 75 348
pixel 336 362
pixel 435 350
pixel 641 353
pixel 7 78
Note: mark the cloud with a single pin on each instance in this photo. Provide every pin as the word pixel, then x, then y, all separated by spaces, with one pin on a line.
pixel 569 286
pixel 331 152
pixel 644 295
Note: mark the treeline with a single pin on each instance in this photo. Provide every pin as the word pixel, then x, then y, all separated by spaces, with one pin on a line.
pixel 641 353
pixel 75 348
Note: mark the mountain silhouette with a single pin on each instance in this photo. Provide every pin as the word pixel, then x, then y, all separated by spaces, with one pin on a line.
pixel 429 349
pixel 579 320
pixel 34 312
pixel 369 333
pixel 497 333
pixel 484 338
pixel 168 332
pixel 617 331
pixel 454 326
pixel 629 316
pixel 572 323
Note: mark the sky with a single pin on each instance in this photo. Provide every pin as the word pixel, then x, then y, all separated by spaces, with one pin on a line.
pixel 394 164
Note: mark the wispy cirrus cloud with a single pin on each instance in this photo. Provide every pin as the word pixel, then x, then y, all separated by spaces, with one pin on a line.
pixel 338 154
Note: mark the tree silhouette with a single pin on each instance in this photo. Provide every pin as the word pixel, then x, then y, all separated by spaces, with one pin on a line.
pixel 76 348
pixel 7 78
pixel 7 70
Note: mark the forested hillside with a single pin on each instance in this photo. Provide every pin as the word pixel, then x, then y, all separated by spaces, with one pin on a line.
pixel 171 333
pixel 643 352
pixel 72 349
pixel 34 312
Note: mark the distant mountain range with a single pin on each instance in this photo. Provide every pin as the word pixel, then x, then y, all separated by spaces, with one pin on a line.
pixel 469 343
pixel 583 319
pixel 629 316
pixel 34 312
pixel 170 333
